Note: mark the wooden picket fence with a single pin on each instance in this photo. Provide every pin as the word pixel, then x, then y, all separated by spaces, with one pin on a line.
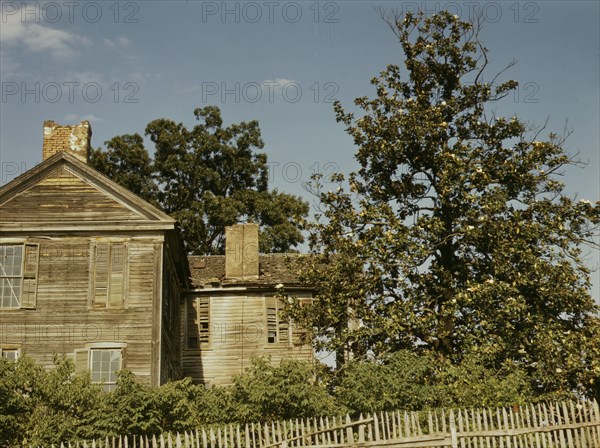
pixel 550 425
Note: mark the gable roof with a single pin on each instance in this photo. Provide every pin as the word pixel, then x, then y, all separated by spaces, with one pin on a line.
pixel 64 193
pixel 209 271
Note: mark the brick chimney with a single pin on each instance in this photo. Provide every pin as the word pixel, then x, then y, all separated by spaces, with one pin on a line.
pixel 75 139
pixel 241 251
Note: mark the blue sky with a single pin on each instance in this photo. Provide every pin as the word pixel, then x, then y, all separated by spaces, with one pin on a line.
pixel 123 64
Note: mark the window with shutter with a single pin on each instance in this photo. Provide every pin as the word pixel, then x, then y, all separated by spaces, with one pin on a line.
pixel 108 272
pixel 271 313
pixel 203 320
pixel 278 327
pixel 30 275
pixel 299 333
pixel 18 275
pixel 198 322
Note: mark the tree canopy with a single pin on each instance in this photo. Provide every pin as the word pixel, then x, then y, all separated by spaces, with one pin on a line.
pixel 455 236
pixel 207 177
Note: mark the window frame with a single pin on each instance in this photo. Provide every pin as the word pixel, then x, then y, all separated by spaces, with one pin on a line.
pixel 195 319
pixel 281 326
pixel 87 366
pixel 111 384
pixel 17 352
pixel 96 302
pixel 28 277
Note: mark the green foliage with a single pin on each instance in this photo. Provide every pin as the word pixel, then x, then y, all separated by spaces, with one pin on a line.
pixel 44 407
pixel 411 381
pixel 402 380
pixel 289 390
pixel 207 177
pixel 455 235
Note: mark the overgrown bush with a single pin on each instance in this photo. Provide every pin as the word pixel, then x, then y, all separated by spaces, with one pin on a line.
pixel 40 406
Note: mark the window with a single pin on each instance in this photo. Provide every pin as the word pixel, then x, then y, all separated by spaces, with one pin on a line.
pixel 108 273
pixel 104 365
pixel 278 328
pixel 18 275
pixel 198 321
pixel 282 330
pixel 12 354
pixel 102 362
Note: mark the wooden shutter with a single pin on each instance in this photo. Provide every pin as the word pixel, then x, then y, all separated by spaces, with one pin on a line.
pixel 299 333
pixel 101 264
pixel 203 304
pixel 82 361
pixel 271 313
pixel 31 259
pixel 283 325
pixel 118 259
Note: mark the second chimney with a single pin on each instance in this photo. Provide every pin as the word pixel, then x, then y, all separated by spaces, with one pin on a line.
pixel 241 251
pixel 75 140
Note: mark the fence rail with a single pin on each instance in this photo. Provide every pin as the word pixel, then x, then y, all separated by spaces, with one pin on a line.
pixel 550 425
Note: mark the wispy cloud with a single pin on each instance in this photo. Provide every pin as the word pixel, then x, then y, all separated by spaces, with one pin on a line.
pixel 38 38
pixel 84 77
pixel 118 42
pixel 8 68
pixel 278 83
pixel 72 118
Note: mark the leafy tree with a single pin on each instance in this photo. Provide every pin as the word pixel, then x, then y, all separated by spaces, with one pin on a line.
pixel 207 177
pixel 455 235
pixel 406 380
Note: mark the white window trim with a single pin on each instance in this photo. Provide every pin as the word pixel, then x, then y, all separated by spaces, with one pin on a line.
pixel 9 349
pixel 99 346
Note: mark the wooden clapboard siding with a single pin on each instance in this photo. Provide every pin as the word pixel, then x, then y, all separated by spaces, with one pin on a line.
pixel 100 257
pixel 238 332
pixel 63 320
pixel 170 326
pixel 64 196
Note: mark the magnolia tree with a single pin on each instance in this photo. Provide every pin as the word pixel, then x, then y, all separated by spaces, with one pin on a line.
pixel 455 236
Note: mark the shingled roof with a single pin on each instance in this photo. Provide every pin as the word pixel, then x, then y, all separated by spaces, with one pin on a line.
pixel 209 271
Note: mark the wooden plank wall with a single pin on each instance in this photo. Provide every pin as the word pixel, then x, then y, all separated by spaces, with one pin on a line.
pixel 237 334
pixel 63 319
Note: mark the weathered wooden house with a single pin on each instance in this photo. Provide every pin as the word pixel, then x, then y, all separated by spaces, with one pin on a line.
pixel 90 270
pixel 233 313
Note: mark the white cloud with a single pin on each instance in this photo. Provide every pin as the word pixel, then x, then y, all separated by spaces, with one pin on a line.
pixel 119 41
pixel 73 118
pixel 142 78
pixel 123 41
pixel 278 83
pixel 8 67
pixel 84 77
pixel 39 38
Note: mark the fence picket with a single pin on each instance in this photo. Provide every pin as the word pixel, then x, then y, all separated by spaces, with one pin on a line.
pixel 461 428
pixel 544 425
pixel 596 412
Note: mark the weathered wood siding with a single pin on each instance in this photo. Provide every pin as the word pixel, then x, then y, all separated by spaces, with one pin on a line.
pixel 237 333
pixel 64 197
pixel 64 318
pixel 99 276
pixel 170 325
